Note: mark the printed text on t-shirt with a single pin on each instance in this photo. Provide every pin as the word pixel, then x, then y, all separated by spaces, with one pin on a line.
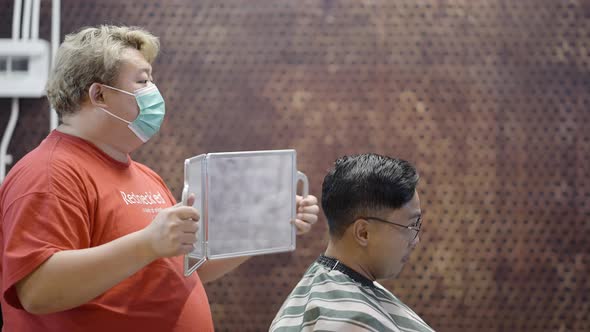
pixel 148 198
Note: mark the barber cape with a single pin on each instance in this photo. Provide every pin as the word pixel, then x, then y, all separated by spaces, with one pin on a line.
pixel 333 297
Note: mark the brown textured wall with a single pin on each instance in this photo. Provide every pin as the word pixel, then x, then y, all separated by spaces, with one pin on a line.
pixel 488 98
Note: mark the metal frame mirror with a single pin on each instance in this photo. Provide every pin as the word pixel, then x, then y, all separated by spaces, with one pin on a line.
pixel 246 200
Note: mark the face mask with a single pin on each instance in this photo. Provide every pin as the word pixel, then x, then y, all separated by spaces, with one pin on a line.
pixel 151 111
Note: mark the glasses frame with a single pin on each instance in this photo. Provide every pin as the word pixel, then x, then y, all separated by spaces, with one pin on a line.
pixel 412 228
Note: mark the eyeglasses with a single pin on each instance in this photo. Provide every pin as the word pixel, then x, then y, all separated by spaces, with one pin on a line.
pixel 416 228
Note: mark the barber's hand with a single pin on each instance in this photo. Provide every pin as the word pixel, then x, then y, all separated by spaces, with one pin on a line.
pixel 307 213
pixel 174 230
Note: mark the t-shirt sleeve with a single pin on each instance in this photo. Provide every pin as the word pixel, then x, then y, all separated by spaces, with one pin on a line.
pixel 35 227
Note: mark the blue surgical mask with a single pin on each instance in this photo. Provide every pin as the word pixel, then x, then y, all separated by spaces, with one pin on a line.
pixel 151 111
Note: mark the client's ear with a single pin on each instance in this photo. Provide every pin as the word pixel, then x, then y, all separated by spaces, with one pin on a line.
pixel 360 232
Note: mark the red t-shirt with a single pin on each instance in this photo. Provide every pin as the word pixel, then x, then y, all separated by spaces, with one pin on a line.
pixel 67 194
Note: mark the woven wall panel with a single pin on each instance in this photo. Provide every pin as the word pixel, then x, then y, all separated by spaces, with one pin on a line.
pixel 488 98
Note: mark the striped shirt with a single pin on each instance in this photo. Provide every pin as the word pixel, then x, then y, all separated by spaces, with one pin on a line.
pixel 333 297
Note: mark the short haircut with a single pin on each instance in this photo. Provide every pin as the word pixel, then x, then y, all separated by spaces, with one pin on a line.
pixel 93 55
pixel 363 184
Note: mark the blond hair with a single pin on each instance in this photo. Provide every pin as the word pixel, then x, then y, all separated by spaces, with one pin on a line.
pixel 93 55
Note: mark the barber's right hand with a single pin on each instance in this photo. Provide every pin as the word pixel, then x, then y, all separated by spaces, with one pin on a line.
pixel 173 231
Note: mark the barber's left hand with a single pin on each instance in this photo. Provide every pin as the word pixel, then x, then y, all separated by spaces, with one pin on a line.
pixel 307 213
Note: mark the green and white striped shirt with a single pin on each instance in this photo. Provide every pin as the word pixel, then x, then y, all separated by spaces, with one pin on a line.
pixel 333 297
